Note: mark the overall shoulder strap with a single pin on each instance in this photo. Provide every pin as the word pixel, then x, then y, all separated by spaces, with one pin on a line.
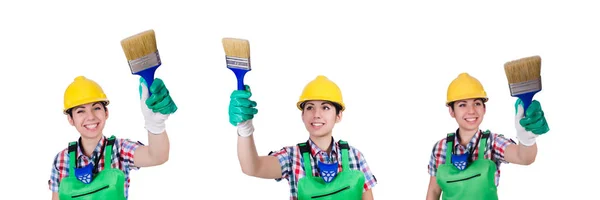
pixel 305 151
pixel 108 152
pixel 449 147
pixel 72 150
pixel 483 144
pixel 344 146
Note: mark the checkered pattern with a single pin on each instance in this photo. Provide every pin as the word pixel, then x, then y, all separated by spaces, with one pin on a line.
pixel 496 144
pixel 123 152
pixel 292 168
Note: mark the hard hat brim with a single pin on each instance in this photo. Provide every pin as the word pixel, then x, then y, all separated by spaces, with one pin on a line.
pixel 301 102
pixel 485 99
pixel 105 101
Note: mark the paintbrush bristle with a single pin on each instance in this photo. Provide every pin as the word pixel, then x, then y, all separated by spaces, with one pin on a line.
pixel 234 47
pixel 139 45
pixel 524 69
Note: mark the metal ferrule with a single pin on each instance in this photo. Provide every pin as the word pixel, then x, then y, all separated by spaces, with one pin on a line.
pixel 144 62
pixel 525 87
pixel 240 63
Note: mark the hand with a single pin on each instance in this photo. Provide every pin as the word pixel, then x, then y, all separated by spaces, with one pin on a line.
pixel 530 126
pixel 156 108
pixel 242 111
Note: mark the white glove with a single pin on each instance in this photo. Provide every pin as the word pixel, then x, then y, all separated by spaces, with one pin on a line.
pixel 525 137
pixel 245 128
pixel 154 122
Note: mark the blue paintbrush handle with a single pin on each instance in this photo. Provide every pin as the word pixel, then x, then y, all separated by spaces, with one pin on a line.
pixel 148 76
pixel 239 75
pixel 526 98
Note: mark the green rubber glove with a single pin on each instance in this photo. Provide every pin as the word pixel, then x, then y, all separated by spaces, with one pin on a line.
pixel 160 101
pixel 241 108
pixel 156 108
pixel 534 119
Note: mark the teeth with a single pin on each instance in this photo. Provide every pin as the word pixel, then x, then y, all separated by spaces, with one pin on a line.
pixel 317 124
pixel 91 125
pixel 470 119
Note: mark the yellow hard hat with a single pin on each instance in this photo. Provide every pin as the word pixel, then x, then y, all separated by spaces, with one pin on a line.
pixel 83 91
pixel 321 88
pixel 465 87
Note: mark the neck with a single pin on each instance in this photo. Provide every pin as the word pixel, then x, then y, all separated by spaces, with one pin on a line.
pixel 89 144
pixel 466 135
pixel 323 142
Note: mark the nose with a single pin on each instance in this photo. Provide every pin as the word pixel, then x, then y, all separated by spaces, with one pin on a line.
pixel 317 114
pixel 471 109
pixel 90 116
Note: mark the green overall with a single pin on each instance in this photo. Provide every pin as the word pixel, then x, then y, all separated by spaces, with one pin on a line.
pixel 347 185
pixel 107 184
pixel 476 182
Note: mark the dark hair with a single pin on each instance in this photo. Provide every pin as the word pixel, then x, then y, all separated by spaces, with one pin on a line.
pixel 338 107
pixel 70 110
pixel 451 104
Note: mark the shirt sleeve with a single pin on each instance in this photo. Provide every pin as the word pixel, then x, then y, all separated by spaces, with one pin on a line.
pixel 370 180
pixel 499 147
pixel 59 170
pixel 285 162
pixel 438 157
pixel 126 150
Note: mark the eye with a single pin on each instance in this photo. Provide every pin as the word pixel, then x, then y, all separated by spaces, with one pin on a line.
pixel 478 104
pixel 326 108
pixel 97 108
pixel 80 111
pixel 462 105
pixel 309 107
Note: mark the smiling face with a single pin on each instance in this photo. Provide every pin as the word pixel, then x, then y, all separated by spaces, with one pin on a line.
pixel 319 117
pixel 89 119
pixel 468 114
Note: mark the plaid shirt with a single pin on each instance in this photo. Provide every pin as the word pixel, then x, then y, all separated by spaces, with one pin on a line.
pixel 122 158
pixel 292 168
pixel 496 144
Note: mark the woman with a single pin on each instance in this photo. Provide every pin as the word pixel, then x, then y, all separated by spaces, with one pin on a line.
pixel 97 167
pixel 457 167
pixel 336 170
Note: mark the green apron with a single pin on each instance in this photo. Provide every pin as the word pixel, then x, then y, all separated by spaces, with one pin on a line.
pixel 107 184
pixel 347 185
pixel 476 182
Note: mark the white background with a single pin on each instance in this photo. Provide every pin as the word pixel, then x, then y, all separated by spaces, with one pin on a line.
pixel 393 61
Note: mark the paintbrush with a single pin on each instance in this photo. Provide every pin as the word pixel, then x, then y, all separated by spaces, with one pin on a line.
pixel 524 78
pixel 237 56
pixel 142 55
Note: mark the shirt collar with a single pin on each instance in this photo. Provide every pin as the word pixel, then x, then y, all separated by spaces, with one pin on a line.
pixel 315 150
pixel 96 152
pixel 471 142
